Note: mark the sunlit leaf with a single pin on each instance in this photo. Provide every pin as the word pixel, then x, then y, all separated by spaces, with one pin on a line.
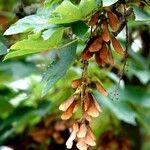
pixel 27 24
pixel 29 46
pixel 67 12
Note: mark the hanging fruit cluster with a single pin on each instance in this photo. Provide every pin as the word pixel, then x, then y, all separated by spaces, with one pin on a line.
pixel 81 131
pixel 100 43
pixel 103 25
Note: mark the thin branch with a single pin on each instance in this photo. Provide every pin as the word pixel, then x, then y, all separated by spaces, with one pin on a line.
pixel 84 83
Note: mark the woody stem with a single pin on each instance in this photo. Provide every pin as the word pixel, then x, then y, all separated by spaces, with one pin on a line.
pixel 84 84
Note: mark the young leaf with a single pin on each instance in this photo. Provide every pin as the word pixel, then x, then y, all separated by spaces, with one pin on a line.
pixel 66 13
pixel 29 46
pixel 27 24
pixel 59 67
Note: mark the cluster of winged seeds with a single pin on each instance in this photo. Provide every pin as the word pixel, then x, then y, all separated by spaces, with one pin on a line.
pixel 81 131
pixel 103 25
pixel 100 44
pixel 83 135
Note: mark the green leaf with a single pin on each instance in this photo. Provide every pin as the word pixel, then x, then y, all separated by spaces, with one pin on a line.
pixel 79 28
pixel 29 46
pixel 68 12
pixel 3 49
pixel 59 67
pixel 27 24
pixel 140 15
pixel 121 109
pixel 108 2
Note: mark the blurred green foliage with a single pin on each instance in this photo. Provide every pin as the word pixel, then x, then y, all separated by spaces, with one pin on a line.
pixel 21 104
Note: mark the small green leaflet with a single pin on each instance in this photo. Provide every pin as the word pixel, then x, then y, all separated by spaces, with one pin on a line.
pixel 140 15
pixel 29 46
pixel 108 2
pixel 59 67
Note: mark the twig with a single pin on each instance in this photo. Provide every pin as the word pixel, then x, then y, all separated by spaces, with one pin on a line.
pixel 84 83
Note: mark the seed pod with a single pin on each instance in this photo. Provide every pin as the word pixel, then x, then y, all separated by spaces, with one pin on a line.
pixel 94 19
pixel 65 105
pixel 87 101
pixel 93 111
pixel 76 83
pixel 72 137
pixel 113 21
pixel 91 133
pixel 105 32
pixel 87 117
pixel 81 145
pixel 96 45
pixel 97 106
pixel 86 55
pixel 104 53
pixel 99 61
pixel 75 127
pixel 117 46
pixel 101 89
pixel 92 108
pixel 68 113
pixel 89 140
pixel 110 58
pixel 82 131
